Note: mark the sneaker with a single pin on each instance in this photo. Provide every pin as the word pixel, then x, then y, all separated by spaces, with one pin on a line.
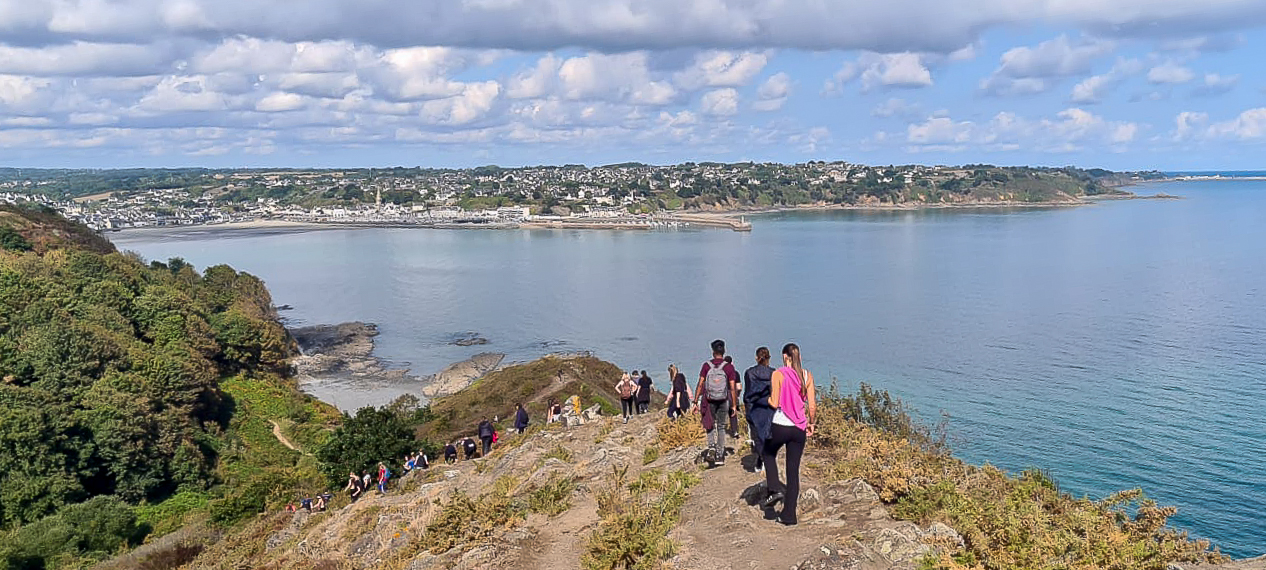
pixel 772 499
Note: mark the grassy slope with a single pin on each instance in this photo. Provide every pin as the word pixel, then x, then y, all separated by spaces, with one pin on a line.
pixel 534 384
pixel 46 230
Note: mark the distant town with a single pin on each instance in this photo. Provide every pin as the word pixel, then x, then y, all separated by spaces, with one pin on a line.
pixel 635 195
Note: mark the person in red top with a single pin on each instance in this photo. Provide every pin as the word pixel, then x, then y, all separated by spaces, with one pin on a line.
pixel 717 398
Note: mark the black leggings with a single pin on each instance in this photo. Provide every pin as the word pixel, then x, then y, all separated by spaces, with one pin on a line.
pixel 794 439
pixel 626 406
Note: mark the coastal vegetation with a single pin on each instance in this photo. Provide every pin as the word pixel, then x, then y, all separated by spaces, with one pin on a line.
pixel 1006 521
pixel 132 395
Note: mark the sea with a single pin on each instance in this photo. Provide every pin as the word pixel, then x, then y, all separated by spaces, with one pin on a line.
pixel 1115 345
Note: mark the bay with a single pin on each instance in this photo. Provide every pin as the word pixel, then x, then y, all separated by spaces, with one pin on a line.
pixel 1116 345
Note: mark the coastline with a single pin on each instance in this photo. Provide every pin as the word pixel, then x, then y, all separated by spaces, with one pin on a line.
pixel 718 218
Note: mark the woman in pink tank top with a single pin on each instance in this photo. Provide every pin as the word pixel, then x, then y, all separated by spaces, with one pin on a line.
pixel 795 402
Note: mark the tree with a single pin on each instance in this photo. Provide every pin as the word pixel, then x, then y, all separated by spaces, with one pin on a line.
pixel 11 240
pixel 371 436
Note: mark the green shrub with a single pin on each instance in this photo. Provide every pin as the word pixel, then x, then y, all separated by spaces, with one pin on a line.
pixel 636 519
pixel 93 529
pixel 553 498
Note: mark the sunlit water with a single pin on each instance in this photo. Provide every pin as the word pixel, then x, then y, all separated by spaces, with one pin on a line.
pixel 1117 345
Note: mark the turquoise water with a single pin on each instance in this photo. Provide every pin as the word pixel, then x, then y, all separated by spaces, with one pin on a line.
pixel 1118 345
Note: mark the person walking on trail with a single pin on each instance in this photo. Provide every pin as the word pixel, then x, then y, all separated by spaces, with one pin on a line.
pixel 644 384
pixel 450 453
pixel 485 435
pixel 795 412
pixel 627 389
pixel 520 418
pixel 383 475
pixel 734 431
pixel 365 479
pixel 756 381
pixel 717 397
pixel 354 486
pixel 679 396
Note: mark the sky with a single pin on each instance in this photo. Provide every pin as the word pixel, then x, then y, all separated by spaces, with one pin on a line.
pixel 1121 84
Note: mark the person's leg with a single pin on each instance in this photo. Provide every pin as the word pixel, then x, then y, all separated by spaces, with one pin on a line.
pixel 795 450
pixel 773 484
pixel 758 445
pixel 487 446
pixel 719 411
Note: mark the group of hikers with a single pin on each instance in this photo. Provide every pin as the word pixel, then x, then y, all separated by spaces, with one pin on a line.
pixel 358 484
pixel 778 405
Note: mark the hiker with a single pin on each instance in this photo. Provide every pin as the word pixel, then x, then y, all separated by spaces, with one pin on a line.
pixel 408 464
pixel 555 411
pixel 365 479
pixel 717 397
pixel 450 453
pixel 485 435
pixel 795 410
pixel 520 418
pixel 575 404
pixel 643 393
pixel 354 486
pixel 734 432
pixel 421 462
pixel 306 504
pixel 319 504
pixel 469 446
pixel 756 403
pixel 679 397
pixel 627 390
pixel 383 475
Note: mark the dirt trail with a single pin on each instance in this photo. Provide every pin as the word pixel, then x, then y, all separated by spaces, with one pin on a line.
pixel 282 437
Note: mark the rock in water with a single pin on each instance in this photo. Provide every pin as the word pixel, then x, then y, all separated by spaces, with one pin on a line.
pixel 459 375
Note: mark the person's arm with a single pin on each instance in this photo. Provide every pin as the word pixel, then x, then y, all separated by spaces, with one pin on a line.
pixel 734 393
pixel 775 389
pixel 699 390
pixel 812 401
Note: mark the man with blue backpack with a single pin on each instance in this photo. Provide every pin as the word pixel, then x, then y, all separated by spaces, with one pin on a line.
pixel 718 400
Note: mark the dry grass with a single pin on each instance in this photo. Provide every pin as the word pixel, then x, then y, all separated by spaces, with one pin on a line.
pixel 1007 522
pixel 465 522
pixel 678 433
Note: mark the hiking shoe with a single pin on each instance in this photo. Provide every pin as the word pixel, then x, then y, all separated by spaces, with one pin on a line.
pixel 772 499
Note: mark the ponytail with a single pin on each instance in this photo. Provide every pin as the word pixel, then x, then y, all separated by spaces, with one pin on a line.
pixel 792 352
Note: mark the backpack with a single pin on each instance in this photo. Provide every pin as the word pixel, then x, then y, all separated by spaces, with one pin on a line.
pixel 717 383
pixel 626 389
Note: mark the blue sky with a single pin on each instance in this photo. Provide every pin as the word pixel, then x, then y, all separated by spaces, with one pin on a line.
pixel 1124 84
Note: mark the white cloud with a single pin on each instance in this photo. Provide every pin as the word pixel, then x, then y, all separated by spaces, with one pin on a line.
pixel 1072 129
pixel 1214 84
pixel 1249 125
pixel 1095 88
pixel 1027 70
pixel 620 77
pixel 773 92
pixel 619 25
pixel 1187 123
pixel 1170 73
pixel 720 102
pixel 721 69
pixel 278 102
pixel 475 101
pixel 895 107
pixel 882 70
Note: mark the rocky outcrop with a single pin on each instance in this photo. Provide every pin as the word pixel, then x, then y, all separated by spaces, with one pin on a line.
pixel 457 376
pixel 347 350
